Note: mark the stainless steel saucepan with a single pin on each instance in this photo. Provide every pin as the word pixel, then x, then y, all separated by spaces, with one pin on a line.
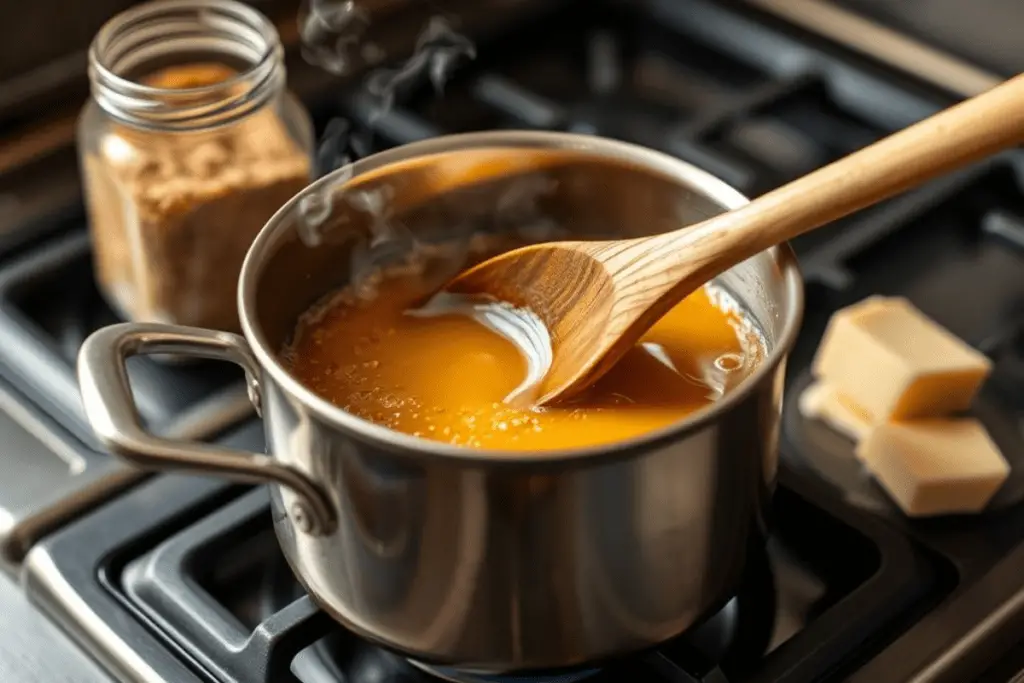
pixel 482 561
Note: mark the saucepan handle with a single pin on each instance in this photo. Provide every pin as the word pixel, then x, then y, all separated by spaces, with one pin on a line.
pixel 111 411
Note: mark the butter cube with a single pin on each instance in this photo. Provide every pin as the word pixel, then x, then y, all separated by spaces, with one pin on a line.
pixel 819 401
pixel 895 363
pixel 935 467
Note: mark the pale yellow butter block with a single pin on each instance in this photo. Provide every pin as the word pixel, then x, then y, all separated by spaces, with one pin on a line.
pixel 935 467
pixel 895 363
pixel 819 401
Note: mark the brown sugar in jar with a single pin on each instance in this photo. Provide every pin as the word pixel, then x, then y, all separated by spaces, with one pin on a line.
pixel 182 167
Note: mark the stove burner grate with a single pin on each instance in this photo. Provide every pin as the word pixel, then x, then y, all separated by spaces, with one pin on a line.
pixel 456 676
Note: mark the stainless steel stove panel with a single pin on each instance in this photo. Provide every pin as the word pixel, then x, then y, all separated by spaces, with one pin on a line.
pixel 33 650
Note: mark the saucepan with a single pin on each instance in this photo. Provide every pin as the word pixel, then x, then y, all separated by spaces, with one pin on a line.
pixel 482 561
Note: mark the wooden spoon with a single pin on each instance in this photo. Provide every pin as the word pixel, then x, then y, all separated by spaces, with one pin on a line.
pixel 598 298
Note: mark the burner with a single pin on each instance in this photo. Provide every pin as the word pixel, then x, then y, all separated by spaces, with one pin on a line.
pixel 735 638
pixel 446 674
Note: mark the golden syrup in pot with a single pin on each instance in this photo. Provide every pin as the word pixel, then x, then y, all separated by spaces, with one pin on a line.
pixel 451 371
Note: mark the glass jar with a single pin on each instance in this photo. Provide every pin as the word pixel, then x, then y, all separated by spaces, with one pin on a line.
pixel 189 144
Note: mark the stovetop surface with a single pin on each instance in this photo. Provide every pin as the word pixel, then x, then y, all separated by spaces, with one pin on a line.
pixel 179 580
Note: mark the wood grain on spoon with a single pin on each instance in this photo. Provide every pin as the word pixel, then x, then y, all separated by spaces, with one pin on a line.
pixel 598 298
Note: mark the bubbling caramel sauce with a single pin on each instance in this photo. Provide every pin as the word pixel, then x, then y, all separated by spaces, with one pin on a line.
pixel 445 375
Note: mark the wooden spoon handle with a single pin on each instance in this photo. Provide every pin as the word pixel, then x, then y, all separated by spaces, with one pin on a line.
pixel 956 137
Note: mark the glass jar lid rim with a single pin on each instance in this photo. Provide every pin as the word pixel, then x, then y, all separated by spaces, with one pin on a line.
pixel 223 28
pixel 131 19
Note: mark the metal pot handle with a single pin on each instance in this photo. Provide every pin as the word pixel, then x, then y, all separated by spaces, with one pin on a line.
pixel 110 409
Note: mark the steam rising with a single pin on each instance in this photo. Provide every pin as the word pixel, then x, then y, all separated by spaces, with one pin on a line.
pixel 342 143
pixel 334 36
pixel 439 49
pixel 333 33
pixel 330 31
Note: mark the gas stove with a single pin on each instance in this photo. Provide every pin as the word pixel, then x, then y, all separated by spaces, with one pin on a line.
pixel 174 579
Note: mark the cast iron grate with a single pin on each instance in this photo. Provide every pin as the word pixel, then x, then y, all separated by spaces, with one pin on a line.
pixel 220 590
pixel 49 304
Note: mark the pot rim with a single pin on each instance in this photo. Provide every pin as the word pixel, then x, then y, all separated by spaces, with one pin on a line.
pixel 688 175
